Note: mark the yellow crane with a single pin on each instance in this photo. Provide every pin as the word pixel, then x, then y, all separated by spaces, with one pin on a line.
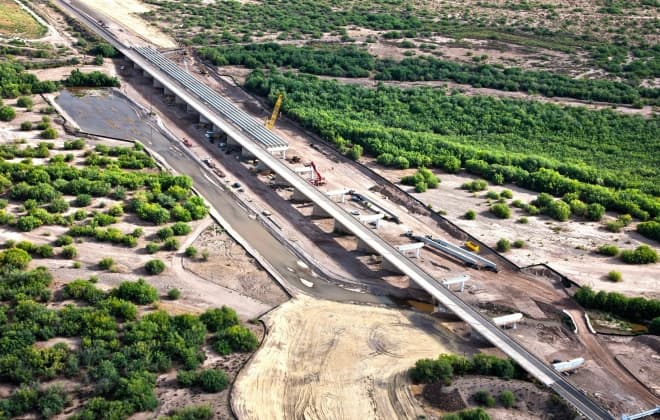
pixel 270 122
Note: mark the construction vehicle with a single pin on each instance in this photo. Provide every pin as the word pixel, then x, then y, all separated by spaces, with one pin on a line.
pixel 187 142
pixel 472 246
pixel 270 122
pixel 317 178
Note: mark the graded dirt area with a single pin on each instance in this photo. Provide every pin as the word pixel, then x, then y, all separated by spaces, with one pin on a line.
pixel 16 21
pixel 126 12
pixel 569 247
pixel 323 359
pixel 230 266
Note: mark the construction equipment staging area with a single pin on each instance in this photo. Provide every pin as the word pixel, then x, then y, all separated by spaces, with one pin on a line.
pixel 261 143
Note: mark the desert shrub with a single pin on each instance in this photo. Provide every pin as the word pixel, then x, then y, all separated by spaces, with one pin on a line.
pixel 83 290
pixel 28 223
pixel 635 309
pixel 106 263
pixel 49 133
pixel 154 267
pixel 52 401
pixel 82 200
pixel 69 252
pixel 484 398
pixel 191 252
pixel 24 102
pixel 507 398
pixel 14 258
pixel 152 247
pixel 202 412
pixel 171 244
pixel 643 254
pixel 523 220
pixel 165 233
pixel 506 194
pixel 609 250
pixel 470 215
pixel 519 243
pixel 26 126
pixel 7 113
pixel 503 245
pixel 594 212
pixel 493 195
pixel 501 210
pixel 138 292
pixel 218 319
pixel 476 185
pixel 58 205
pixel 181 228
pixel 650 229
pixel 212 380
pixel 77 144
pixel 44 251
pixel 174 294
pixel 615 276
pixel 235 338
pixel 468 414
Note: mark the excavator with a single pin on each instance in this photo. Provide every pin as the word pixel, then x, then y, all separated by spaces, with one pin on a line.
pixel 270 122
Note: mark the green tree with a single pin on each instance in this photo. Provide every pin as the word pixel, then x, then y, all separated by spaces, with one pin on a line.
pixel 503 245
pixel 218 319
pixel 154 267
pixel 507 398
pixel 212 380
pixel 7 113
pixel 470 215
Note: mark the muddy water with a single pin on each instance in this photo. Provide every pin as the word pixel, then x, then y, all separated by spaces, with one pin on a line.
pixel 105 113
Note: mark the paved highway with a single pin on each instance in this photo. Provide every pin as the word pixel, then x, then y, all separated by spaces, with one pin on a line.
pixel 536 367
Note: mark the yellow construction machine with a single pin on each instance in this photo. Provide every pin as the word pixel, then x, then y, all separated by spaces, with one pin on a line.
pixel 270 122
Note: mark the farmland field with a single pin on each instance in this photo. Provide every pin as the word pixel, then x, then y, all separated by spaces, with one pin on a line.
pixel 14 21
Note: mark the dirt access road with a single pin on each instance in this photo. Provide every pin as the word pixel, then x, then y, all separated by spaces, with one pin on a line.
pixel 324 359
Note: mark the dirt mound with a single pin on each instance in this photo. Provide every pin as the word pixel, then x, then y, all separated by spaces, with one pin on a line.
pixel 446 398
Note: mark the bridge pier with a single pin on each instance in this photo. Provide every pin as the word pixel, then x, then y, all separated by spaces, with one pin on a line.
pixel 146 74
pixel 317 211
pixel 167 92
pixel 157 84
pixel 246 154
pixel 363 247
pixel 388 266
pixel 299 197
pixel 340 229
pixel 203 119
pixel 178 100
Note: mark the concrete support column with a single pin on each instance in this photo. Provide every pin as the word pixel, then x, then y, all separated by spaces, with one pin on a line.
pixel 231 141
pixel 190 109
pixel 203 119
pixel 246 154
pixel 340 229
pixel 157 84
pixel 146 74
pixel 319 212
pixel 178 100
pixel 363 247
pixel 388 266
pixel 299 197
pixel 167 92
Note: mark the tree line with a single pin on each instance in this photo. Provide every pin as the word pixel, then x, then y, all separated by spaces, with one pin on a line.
pixel 15 81
pixel 349 61
pixel 539 146
pixel 91 79
pixel 636 309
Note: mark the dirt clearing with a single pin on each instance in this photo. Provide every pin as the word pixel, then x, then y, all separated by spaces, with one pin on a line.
pixel 324 359
pixel 16 21
pixel 127 13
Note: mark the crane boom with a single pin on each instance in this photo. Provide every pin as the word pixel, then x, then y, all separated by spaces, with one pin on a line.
pixel 270 122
